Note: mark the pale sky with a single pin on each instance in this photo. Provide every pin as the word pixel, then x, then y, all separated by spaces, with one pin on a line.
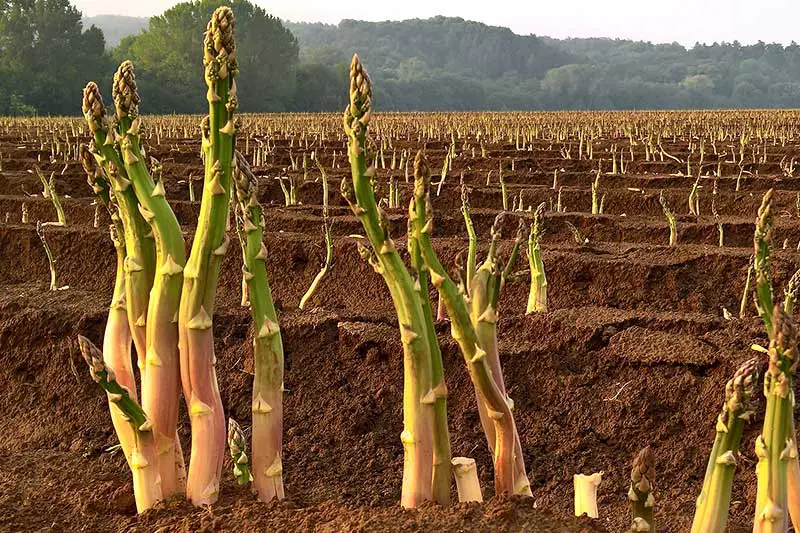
pixel 684 21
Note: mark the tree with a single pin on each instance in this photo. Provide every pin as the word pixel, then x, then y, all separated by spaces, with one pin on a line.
pixel 45 56
pixel 168 58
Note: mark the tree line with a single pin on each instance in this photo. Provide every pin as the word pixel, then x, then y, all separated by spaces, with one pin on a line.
pixel 46 56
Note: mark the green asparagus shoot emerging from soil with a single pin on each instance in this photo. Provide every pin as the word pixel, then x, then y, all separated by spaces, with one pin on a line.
pixel 673 229
pixel 146 478
pixel 267 399
pixel 640 495
pixel 211 241
pixel 238 447
pixel 537 298
pixel 49 191
pixel 420 392
pixel 711 515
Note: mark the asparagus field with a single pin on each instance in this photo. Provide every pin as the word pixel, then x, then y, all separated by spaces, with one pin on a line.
pixel 273 270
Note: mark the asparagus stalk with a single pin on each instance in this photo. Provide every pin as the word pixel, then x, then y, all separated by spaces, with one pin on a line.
pixel 139 244
pixel 419 393
pixel 673 226
pixel 117 338
pixel 791 292
pixel 267 402
pixel 49 191
pixel 210 244
pixel 537 298
pixel 640 495
pixel 509 478
pixel 51 260
pixel 761 262
pixel 776 444
pixel 160 392
pixel 441 436
pixel 326 266
pixel 473 240
pixel 711 515
pixel 143 460
pixel 238 446
pixel 746 292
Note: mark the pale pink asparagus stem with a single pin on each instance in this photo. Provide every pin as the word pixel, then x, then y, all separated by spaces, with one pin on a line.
pixel 207 416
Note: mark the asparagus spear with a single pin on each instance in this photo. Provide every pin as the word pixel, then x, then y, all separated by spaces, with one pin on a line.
pixel 51 260
pixel 673 225
pixel 267 402
pixel 640 495
pixel 775 445
pixel 504 442
pixel 419 393
pixel 117 338
pixel 143 461
pixel 761 261
pixel 711 515
pixel 139 245
pixel 537 298
pixel 473 240
pixel 442 462
pixel 160 392
pixel 198 373
pixel 238 446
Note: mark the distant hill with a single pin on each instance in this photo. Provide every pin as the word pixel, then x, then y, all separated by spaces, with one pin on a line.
pixel 117 27
pixel 448 44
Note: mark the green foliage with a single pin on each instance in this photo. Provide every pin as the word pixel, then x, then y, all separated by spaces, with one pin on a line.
pixel 435 64
pixel 167 58
pixel 45 56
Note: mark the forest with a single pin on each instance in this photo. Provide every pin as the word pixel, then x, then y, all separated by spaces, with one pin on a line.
pixel 48 52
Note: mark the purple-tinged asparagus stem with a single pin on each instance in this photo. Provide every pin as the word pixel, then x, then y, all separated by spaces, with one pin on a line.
pixel 198 372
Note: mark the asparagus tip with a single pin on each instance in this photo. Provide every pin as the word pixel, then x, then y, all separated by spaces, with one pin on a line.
pixel 124 91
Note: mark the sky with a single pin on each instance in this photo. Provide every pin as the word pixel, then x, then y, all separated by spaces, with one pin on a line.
pixel 684 21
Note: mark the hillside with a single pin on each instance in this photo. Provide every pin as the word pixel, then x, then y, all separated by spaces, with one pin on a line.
pixel 116 27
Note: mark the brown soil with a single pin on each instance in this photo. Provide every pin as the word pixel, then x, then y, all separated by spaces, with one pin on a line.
pixel 634 351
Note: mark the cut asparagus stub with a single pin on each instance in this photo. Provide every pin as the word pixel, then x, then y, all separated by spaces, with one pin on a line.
pixel 466 474
pixel 143 456
pixel 418 400
pixel 586 494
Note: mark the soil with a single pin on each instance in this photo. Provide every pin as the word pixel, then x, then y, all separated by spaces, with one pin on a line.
pixel 634 350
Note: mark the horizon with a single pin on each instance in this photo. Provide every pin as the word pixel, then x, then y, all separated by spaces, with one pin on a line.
pixel 616 19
